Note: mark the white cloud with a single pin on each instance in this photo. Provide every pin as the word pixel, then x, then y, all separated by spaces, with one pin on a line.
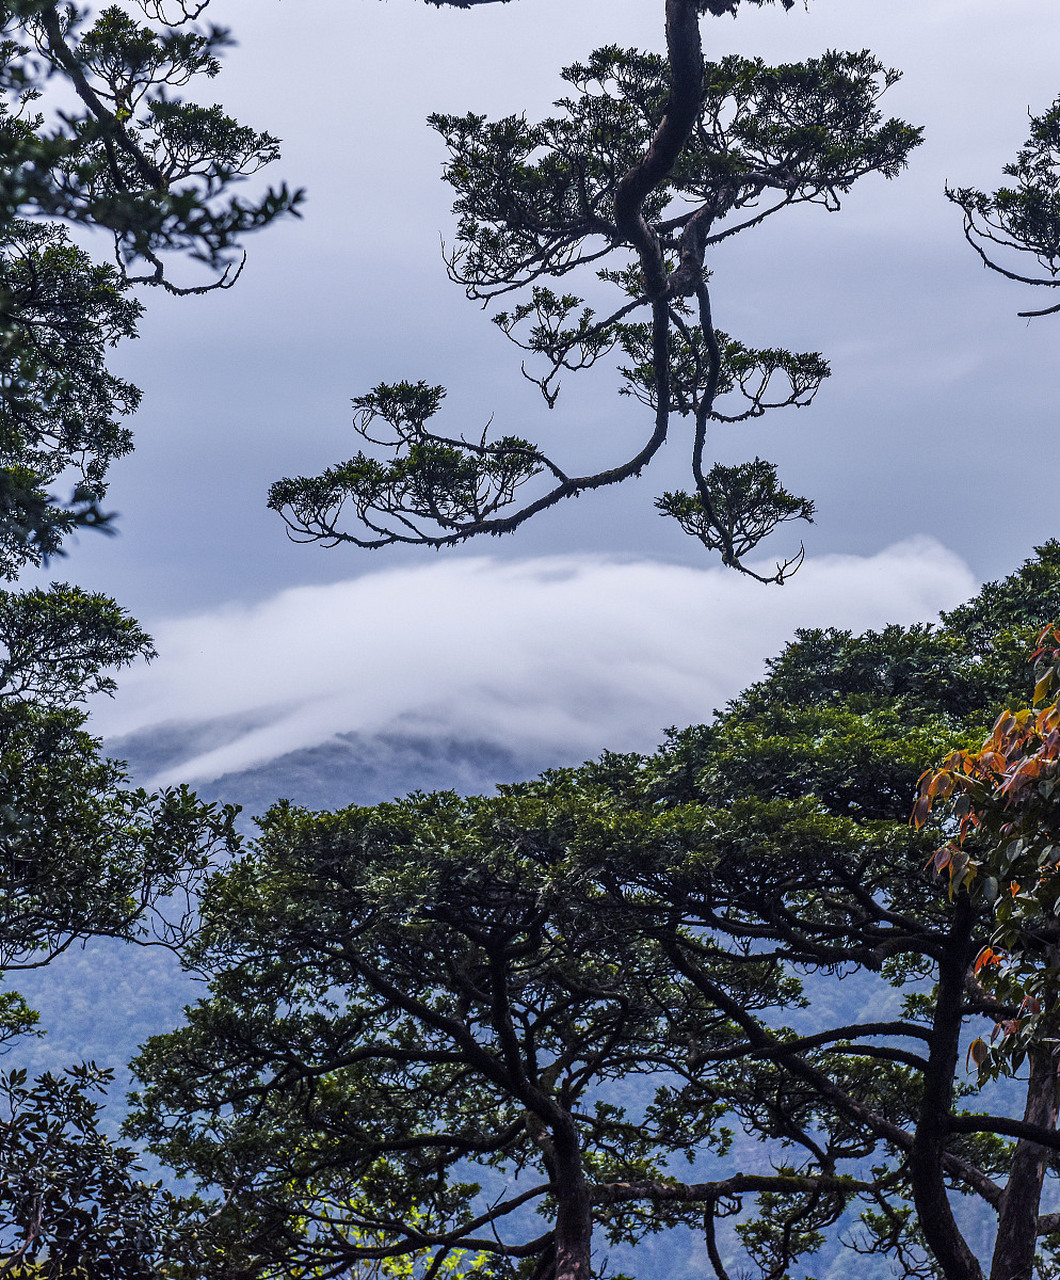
pixel 568 653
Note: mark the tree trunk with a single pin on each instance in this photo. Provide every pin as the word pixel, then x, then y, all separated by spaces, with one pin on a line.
pixel 574 1222
pixel 1017 1233
pixel 932 1132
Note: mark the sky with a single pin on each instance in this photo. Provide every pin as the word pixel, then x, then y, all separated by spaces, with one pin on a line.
pixel 929 452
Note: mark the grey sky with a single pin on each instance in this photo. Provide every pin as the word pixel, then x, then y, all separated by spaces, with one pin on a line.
pixel 939 420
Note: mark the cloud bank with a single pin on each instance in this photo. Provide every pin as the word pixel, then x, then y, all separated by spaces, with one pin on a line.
pixel 571 654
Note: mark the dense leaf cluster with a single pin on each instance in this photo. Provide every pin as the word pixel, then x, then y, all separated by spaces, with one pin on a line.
pixel 61 410
pixel 1023 218
pixel 74 1200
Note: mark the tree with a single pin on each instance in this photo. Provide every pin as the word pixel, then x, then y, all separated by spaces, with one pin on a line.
pixel 133 159
pixel 650 164
pixel 83 853
pixel 1023 218
pixel 555 997
pixel 1005 855
pixel 73 1201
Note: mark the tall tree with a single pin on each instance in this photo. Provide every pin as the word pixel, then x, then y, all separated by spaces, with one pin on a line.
pixel 94 133
pixel 83 852
pixel 555 997
pixel 650 165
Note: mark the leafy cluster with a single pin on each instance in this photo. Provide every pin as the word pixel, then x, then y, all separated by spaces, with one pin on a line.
pixel 1023 218
pixel 134 159
pixel 431 480
pixel 1004 852
pixel 73 1201
pixel 742 505
pixel 61 410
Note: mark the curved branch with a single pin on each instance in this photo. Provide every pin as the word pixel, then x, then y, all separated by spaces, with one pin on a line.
pixel 685 54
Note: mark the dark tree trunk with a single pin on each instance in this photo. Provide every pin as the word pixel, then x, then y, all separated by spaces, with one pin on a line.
pixel 932 1131
pixel 1017 1233
pixel 574 1221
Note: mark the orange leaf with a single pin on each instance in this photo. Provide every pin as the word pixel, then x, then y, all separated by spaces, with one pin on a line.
pixel 1007 1028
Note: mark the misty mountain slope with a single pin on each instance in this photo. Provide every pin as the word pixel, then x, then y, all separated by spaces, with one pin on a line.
pixel 102 1001
pixel 351 768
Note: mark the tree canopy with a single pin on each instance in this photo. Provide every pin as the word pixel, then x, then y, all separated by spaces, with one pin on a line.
pixel 429 1017
pixel 650 165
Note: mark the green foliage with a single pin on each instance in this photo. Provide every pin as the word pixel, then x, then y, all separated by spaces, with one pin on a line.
pixel 740 506
pixel 82 853
pixel 60 408
pixel 528 195
pixel 134 159
pixel 742 371
pixel 111 162
pixel 1004 854
pixel 717 7
pixel 73 1203
pixel 429 1014
pixel 497 1004
pixel 431 479
pixel 59 645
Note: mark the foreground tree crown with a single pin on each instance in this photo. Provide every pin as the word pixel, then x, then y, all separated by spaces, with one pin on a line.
pixel 506 1025
pixel 650 165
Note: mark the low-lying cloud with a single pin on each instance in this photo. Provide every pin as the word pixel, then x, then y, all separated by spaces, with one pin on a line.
pixel 571 654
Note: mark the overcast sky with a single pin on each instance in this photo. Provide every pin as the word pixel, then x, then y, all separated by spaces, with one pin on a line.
pixel 938 425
